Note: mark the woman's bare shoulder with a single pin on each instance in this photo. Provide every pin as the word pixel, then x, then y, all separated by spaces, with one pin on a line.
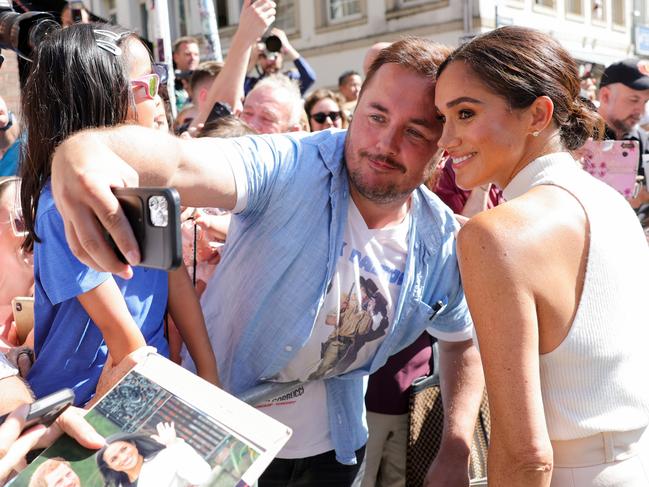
pixel 530 228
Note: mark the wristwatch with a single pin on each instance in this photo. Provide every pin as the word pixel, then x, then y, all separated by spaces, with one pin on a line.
pixel 6 368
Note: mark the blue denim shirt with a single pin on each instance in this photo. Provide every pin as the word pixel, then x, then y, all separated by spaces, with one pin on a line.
pixel 281 253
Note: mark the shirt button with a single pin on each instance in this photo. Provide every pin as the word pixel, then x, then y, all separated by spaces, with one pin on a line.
pixel 313 312
pixel 288 348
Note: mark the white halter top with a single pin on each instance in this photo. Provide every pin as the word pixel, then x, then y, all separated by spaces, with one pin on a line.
pixel 595 380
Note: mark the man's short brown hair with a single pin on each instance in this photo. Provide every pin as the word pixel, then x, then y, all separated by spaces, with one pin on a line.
pixel 422 56
pixel 204 71
pixel 183 40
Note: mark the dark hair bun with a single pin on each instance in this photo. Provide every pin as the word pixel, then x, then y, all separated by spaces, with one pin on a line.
pixel 582 122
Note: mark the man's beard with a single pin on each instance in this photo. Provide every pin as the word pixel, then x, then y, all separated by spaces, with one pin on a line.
pixel 382 194
pixel 624 127
pixel 378 194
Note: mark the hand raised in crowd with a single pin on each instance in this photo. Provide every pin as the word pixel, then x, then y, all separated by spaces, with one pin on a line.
pixel 14 445
pixel 256 17
pixel 287 47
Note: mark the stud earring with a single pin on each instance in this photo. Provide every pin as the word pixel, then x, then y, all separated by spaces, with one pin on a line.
pixel 535 133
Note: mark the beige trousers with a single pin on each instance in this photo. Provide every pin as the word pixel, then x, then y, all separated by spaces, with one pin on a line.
pixel 617 459
pixel 385 454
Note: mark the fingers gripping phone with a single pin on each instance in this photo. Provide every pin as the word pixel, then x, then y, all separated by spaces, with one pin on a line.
pixel 45 410
pixel 23 310
pixel 154 215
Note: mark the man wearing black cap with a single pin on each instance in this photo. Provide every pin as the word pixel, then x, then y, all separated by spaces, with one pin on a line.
pixel 623 93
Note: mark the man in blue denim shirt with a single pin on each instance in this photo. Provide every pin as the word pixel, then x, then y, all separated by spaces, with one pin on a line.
pixel 294 196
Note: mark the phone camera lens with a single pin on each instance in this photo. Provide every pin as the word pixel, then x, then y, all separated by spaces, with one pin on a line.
pixel 158 211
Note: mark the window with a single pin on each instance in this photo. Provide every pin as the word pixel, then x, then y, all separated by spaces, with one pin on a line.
pixel 341 10
pixel 111 11
pixel 545 3
pixel 411 3
pixel 144 20
pixel 285 17
pixel 618 12
pixel 575 7
pixel 221 11
pixel 229 11
pixel 182 17
pixel 598 8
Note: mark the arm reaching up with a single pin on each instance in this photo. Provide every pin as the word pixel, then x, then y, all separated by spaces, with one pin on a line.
pixel 255 18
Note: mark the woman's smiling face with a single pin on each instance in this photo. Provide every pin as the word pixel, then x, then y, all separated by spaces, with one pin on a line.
pixel 483 135
pixel 121 456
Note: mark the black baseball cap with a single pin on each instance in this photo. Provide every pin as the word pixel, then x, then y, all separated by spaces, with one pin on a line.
pixel 633 73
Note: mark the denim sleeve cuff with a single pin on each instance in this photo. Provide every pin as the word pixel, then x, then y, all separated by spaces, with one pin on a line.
pixel 240 181
pixel 454 336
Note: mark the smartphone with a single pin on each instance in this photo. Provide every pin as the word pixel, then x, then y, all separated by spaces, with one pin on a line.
pixel 45 410
pixel 219 110
pixel 614 162
pixel 154 215
pixel 23 310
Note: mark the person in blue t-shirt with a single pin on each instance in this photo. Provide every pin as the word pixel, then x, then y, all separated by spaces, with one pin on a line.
pixel 85 319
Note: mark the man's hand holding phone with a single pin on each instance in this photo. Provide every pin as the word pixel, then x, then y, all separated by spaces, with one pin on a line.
pixel 154 217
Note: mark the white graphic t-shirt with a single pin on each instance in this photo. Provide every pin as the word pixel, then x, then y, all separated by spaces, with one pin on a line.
pixel 355 316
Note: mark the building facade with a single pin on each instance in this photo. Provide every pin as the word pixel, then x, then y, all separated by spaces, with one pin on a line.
pixel 334 34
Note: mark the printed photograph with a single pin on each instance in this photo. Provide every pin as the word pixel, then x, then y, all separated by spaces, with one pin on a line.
pixel 153 439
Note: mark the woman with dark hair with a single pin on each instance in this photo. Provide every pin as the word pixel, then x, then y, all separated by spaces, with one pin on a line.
pixel 92 75
pixel 162 460
pixel 324 109
pixel 555 278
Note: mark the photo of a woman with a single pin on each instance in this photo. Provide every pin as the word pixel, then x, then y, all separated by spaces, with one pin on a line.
pixel 136 459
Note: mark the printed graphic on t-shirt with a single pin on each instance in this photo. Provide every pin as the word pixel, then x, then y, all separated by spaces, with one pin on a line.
pixel 361 318
pixel 354 318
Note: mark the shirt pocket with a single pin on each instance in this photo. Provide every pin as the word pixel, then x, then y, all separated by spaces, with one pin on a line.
pixel 425 314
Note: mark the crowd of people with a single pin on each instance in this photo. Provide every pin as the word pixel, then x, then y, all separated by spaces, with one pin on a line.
pixel 330 236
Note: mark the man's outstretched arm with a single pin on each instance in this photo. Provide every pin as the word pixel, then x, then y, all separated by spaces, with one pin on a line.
pixel 87 165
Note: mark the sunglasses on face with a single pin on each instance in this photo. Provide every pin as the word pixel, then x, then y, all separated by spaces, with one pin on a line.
pixel 15 213
pixel 17 224
pixel 150 83
pixel 320 117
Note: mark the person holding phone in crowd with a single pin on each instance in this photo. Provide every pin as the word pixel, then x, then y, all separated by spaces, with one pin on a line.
pixel 313 214
pixel 563 331
pixel 85 319
pixel 623 95
pixel 268 62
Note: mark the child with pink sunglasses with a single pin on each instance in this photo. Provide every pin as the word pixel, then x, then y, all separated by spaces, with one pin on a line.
pixel 91 75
